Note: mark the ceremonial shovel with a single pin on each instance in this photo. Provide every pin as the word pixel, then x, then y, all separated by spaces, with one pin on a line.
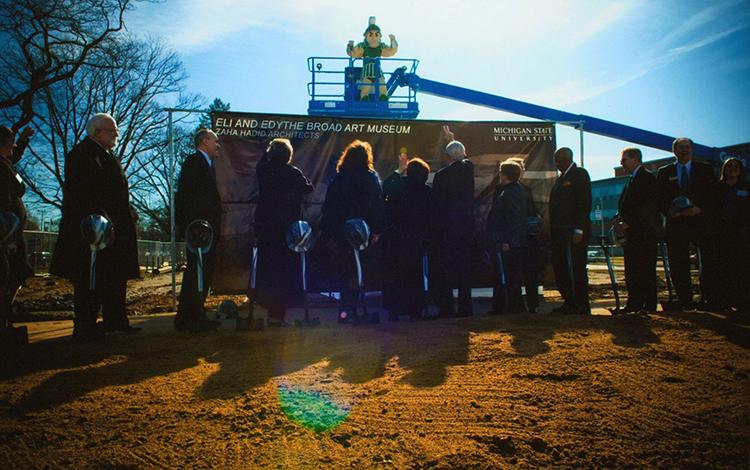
pixel 299 239
pixel 199 237
pixel 97 231
pixel 358 236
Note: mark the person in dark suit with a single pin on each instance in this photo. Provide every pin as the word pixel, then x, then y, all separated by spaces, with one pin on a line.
pixel 12 190
pixel 95 183
pixel 638 220
pixel 281 190
pixel 694 224
pixel 506 232
pixel 532 264
pixel 569 208
pixel 734 236
pixel 413 219
pixel 392 188
pixel 354 193
pixel 197 198
pixel 453 188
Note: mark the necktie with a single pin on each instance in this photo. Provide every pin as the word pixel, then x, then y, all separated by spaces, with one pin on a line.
pixel 683 177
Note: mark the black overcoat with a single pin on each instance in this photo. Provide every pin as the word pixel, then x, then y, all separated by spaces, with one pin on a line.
pixel 453 189
pixel 353 194
pixel 506 222
pixel 197 197
pixel 95 183
pixel 11 193
pixel 281 191
pixel 638 207
pixel 570 203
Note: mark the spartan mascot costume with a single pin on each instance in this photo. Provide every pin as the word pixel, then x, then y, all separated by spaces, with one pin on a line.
pixel 370 50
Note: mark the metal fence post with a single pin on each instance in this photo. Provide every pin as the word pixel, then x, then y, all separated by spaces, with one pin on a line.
pixel 173 238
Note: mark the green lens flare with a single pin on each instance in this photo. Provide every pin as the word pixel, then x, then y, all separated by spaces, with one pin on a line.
pixel 312 409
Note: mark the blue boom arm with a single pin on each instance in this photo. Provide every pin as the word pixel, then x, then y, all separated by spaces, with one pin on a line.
pixel 588 123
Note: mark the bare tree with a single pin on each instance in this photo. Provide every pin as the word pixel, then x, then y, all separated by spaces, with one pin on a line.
pixel 159 178
pixel 156 179
pixel 49 41
pixel 132 81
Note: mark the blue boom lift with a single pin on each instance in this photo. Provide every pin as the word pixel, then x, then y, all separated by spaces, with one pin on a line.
pixel 340 98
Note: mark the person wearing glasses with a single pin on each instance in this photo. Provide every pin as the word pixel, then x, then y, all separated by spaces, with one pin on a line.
pixel 95 183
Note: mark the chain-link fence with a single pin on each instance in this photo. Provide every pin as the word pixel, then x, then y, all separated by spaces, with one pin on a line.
pixel 151 254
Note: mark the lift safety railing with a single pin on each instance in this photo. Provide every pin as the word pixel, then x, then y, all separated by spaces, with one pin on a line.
pixel 332 78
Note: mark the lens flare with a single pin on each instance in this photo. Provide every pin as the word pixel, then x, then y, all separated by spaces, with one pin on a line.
pixel 312 409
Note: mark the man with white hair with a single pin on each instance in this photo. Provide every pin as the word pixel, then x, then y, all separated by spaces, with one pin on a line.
pixel 453 189
pixel 95 183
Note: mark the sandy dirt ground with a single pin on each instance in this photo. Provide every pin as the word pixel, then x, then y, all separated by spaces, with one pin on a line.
pixel 514 391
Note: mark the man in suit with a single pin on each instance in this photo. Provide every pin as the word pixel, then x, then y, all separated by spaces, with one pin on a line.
pixel 453 189
pixel 95 183
pixel 197 198
pixel 638 221
pixel 693 224
pixel 569 208
pixel 393 186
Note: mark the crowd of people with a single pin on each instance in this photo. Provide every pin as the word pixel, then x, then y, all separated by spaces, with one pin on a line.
pixel 684 203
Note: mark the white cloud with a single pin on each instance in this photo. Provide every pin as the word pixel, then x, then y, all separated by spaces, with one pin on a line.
pixel 659 56
pixel 706 41
pixel 599 22
pixel 576 91
pixel 195 24
pixel 695 23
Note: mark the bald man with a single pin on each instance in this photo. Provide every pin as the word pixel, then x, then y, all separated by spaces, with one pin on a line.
pixel 569 208
pixel 453 189
pixel 95 183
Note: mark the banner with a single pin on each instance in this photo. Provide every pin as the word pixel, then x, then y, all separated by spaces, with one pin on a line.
pixel 318 142
pixel 740 151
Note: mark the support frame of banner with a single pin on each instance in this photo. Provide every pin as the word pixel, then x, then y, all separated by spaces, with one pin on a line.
pixel 576 125
pixel 172 232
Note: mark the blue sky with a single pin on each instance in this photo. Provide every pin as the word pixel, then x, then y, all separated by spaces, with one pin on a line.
pixel 673 67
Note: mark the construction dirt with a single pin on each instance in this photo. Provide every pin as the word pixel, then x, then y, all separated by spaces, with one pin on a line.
pixel 661 390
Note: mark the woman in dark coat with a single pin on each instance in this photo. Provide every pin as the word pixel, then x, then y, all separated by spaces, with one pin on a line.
pixel 507 239
pixel 413 217
pixel 11 193
pixel 354 193
pixel 281 190
pixel 735 235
